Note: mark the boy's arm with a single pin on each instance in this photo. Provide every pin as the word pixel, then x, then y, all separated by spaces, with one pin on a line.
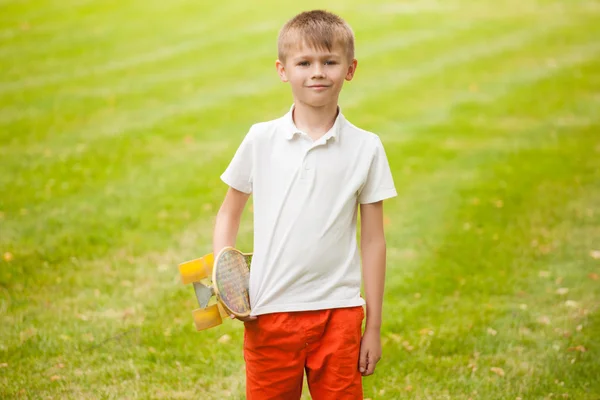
pixel 228 224
pixel 228 219
pixel 373 249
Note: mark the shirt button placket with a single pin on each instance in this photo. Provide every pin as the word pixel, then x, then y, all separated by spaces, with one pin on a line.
pixel 306 165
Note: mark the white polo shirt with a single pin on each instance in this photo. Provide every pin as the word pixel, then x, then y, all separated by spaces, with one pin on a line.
pixel 306 196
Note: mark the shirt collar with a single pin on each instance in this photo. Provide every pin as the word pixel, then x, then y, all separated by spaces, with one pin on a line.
pixel 291 130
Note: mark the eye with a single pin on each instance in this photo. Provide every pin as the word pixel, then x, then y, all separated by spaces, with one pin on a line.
pixel 330 62
pixel 303 64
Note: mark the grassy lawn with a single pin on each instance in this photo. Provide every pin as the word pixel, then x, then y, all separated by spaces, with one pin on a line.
pixel 117 118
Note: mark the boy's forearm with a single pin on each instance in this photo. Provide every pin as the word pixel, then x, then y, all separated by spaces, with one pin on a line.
pixel 225 232
pixel 373 264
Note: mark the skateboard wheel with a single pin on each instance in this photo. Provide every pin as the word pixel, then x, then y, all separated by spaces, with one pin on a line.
pixel 195 270
pixel 206 318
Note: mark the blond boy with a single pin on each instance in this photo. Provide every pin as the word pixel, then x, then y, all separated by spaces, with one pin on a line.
pixel 309 172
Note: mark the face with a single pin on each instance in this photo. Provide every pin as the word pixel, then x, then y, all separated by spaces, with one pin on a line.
pixel 316 75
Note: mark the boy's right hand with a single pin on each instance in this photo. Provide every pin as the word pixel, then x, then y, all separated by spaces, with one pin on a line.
pixel 243 319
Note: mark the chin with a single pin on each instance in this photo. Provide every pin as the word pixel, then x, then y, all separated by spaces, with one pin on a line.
pixel 317 102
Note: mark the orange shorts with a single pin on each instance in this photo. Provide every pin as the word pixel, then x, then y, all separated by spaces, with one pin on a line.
pixel 279 347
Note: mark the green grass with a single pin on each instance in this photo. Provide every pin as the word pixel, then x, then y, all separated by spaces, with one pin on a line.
pixel 117 119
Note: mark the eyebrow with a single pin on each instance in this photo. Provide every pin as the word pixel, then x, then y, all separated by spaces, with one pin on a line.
pixel 324 55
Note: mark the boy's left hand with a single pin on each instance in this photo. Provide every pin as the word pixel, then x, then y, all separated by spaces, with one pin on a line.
pixel 243 319
pixel 370 352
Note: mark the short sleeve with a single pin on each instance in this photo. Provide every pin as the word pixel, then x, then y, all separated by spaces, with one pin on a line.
pixel 238 174
pixel 379 184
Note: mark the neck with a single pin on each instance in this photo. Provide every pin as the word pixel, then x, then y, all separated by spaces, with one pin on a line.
pixel 315 121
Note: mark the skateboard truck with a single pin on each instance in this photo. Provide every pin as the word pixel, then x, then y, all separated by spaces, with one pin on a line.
pixel 229 285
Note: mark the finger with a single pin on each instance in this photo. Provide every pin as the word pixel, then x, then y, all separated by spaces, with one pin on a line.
pixel 362 361
pixel 370 368
pixel 247 319
pixel 372 365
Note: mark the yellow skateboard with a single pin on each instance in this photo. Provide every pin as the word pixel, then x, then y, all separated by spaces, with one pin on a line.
pixel 228 275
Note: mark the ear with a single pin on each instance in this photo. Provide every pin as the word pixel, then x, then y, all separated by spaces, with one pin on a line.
pixel 281 71
pixel 351 70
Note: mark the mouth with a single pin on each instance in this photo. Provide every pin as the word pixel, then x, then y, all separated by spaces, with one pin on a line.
pixel 318 86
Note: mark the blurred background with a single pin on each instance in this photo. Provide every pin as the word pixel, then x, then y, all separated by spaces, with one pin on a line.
pixel 118 117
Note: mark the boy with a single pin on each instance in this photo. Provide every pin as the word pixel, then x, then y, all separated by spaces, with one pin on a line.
pixel 308 172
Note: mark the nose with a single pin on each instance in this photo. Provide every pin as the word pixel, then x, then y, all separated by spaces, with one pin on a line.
pixel 318 71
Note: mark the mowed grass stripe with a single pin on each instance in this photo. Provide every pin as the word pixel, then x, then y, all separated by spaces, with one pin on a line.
pixel 92 31
pixel 430 277
pixel 48 215
pixel 101 44
pixel 530 139
pixel 477 78
pixel 29 112
pixel 173 42
pixel 476 263
pixel 72 223
pixel 173 31
pixel 209 340
pixel 434 187
pixel 62 158
pixel 420 228
pixel 426 183
pixel 174 23
pixel 264 49
pixel 170 50
pixel 127 90
pixel 490 48
pixel 34 13
pixel 178 108
pixel 211 97
pixel 72 205
pixel 548 133
pixel 396 129
pixel 205 79
pixel 162 304
pixel 545 125
pixel 71 208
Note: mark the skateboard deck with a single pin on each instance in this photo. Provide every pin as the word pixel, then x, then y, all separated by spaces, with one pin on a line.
pixel 224 277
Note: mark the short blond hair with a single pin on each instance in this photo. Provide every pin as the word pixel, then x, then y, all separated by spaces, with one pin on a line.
pixel 318 29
